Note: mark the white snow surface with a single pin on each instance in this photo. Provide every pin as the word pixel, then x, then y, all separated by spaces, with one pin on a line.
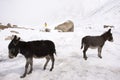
pixel 69 62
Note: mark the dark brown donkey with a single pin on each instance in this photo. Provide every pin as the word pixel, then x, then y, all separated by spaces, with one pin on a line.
pixel 36 49
pixel 95 42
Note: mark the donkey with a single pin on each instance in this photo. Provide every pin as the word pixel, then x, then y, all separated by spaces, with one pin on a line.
pixel 95 42
pixel 30 49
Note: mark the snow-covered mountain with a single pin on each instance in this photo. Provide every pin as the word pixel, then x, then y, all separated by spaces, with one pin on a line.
pixel 88 17
pixel 37 12
pixel 109 13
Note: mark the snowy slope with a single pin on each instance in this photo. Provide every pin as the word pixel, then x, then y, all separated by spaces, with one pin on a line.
pixel 69 62
pixel 107 14
pixel 36 12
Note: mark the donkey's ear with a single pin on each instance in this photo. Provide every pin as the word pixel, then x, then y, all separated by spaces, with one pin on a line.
pixel 18 39
pixel 15 42
pixel 109 30
pixel 15 37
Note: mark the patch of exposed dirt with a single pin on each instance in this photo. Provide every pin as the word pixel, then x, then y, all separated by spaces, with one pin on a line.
pixel 2 27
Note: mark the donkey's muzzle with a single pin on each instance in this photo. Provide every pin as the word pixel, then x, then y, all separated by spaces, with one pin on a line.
pixel 11 57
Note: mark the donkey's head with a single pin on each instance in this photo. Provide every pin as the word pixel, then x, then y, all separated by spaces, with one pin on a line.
pixel 108 35
pixel 13 47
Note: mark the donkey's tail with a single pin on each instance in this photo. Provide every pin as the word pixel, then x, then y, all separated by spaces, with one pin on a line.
pixel 55 53
pixel 82 44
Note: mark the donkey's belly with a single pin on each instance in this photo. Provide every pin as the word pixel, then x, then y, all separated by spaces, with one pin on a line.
pixel 36 56
pixel 93 47
pixel 39 55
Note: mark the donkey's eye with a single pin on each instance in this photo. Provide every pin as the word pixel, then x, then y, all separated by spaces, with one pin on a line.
pixel 12 50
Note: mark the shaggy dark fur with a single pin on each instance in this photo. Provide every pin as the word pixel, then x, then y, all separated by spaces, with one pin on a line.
pixel 36 49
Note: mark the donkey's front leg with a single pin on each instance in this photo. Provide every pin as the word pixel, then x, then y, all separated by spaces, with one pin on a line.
pixel 31 65
pixel 26 68
pixel 99 52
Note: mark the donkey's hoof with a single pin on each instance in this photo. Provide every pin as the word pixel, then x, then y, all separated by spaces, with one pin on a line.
pixel 51 69
pixel 85 58
pixel 44 68
pixel 29 72
pixel 100 57
pixel 22 76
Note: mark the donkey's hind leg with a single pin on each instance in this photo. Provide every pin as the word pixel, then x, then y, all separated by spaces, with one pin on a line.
pixel 53 60
pixel 99 52
pixel 47 60
pixel 84 52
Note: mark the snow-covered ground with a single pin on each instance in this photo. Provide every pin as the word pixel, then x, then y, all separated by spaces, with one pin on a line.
pixel 69 62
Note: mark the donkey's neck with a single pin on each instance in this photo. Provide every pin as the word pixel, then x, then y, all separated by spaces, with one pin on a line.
pixel 21 46
pixel 104 36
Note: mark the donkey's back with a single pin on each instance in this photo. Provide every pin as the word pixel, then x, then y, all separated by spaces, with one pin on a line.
pixel 92 41
pixel 41 48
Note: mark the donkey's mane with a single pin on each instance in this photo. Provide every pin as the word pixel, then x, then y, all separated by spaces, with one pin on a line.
pixel 105 35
